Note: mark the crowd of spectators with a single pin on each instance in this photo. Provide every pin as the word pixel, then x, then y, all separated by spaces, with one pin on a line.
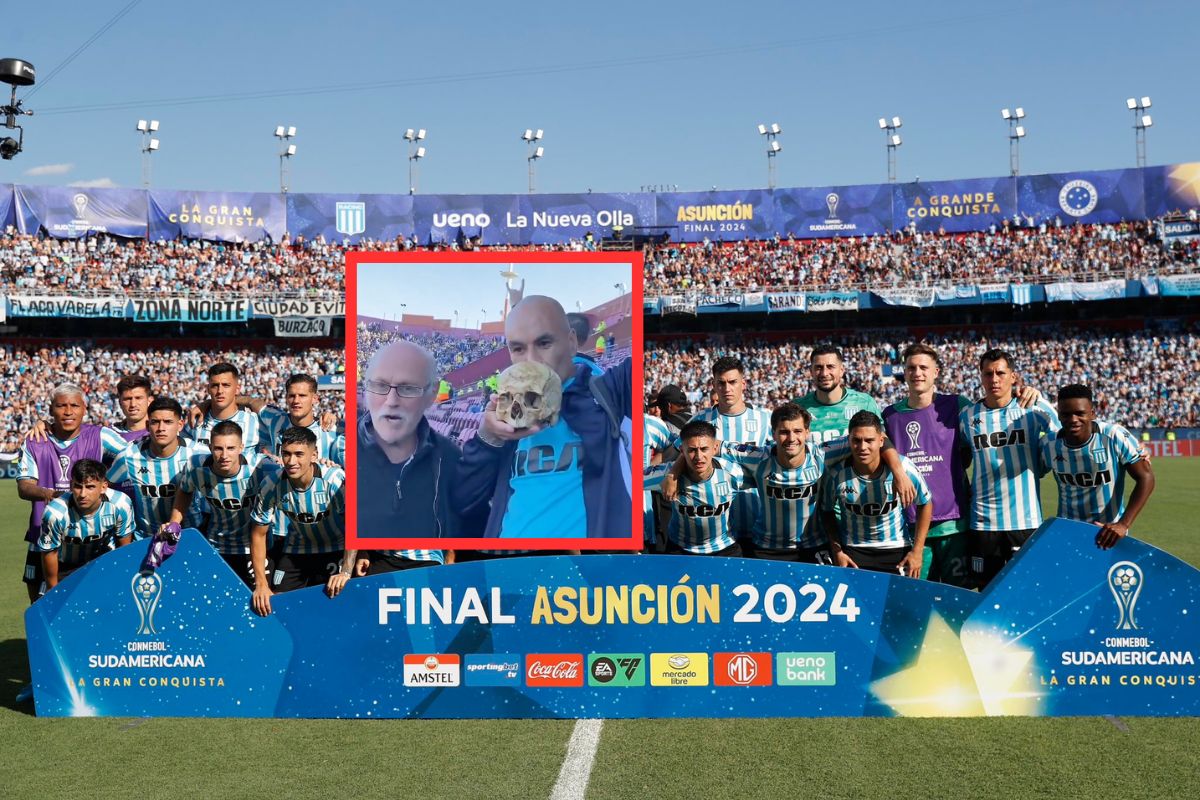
pixel 450 351
pixel 1041 254
pixel 29 373
pixel 1141 378
pixel 100 264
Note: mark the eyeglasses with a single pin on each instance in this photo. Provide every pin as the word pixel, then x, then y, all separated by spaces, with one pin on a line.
pixel 401 389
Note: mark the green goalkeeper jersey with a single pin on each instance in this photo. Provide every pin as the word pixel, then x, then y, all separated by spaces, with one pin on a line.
pixel 829 421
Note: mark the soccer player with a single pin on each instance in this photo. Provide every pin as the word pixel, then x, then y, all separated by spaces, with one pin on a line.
pixel 151 464
pixel 83 524
pixel 222 390
pixel 872 531
pixel 300 397
pixel 585 491
pixel 44 471
pixel 788 474
pixel 228 481
pixel 313 499
pixel 134 394
pixel 700 516
pixel 656 438
pixel 924 428
pixel 831 403
pixel 1004 438
pixel 1090 459
pixel 737 423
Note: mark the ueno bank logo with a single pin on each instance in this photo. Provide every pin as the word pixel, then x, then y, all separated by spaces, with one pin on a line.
pixel 457 220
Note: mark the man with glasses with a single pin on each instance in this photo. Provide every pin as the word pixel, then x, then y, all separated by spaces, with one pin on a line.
pixel 405 468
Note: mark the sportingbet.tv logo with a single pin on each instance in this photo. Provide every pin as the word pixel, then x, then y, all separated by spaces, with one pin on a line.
pixel 616 669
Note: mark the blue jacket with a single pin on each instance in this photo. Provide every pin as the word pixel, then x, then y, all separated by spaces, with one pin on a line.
pixel 484 470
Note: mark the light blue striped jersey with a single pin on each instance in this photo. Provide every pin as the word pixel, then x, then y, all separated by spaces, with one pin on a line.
pixel 78 538
pixel 789 498
pixel 417 555
pixel 656 436
pixel 1091 477
pixel 700 514
pixel 1005 443
pixel 331 445
pixel 227 502
pixel 752 426
pixel 153 482
pixel 247 420
pixel 871 512
pixel 316 515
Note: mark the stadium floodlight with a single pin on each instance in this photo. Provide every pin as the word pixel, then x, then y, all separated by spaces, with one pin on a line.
pixel 1016 132
pixel 149 144
pixel 284 133
pixel 1141 121
pixel 531 137
pixel 892 140
pixel 415 154
pixel 773 149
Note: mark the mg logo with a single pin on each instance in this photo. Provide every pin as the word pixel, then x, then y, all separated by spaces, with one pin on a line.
pixel 351 218
pixel 742 670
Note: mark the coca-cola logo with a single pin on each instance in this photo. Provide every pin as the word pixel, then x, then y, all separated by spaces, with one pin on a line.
pixel 554 669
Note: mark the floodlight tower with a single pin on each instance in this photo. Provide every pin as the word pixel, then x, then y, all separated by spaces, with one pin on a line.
pixel 531 138
pixel 415 153
pixel 773 149
pixel 1141 121
pixel 284 134
pixel 1016 132
pixel 889 128
pixel 149 145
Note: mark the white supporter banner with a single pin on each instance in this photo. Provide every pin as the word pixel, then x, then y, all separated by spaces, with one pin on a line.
pixel 3 308
pixel 303 326
pixel 299 308
pixel 62 305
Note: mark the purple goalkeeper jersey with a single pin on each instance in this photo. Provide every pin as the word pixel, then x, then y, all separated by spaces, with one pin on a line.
pixel 54 467
pixel 929 438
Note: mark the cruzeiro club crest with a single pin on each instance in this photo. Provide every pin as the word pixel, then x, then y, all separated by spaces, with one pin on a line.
pixel 351 218
pixel 1078 198
pixel 1125 580
pixel 147 589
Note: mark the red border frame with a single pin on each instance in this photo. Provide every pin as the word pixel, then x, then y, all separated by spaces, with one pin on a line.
pixel 353 541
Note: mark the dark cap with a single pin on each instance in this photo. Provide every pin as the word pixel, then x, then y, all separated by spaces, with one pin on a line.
pixel 672 394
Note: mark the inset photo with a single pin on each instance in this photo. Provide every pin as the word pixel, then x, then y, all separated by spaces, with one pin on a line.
pixel 496 399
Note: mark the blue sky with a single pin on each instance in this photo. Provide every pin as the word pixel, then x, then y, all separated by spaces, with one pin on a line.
pixel 628 93
pixel 442 288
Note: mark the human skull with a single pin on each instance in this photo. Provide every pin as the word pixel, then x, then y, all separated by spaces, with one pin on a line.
pixel 530 393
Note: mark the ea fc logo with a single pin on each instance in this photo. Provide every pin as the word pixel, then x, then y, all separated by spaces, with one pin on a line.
pixel 147 589
pixel 1078 198
pixel 1125 580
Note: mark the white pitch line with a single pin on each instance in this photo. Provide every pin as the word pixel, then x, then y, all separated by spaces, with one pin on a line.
pixel 576 769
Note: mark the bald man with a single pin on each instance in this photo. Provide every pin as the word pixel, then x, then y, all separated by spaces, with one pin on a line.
pixel 405 468
pixel 567 480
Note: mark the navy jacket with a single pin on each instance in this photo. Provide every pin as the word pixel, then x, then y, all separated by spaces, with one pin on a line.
pixel 484 470
pixel 413 500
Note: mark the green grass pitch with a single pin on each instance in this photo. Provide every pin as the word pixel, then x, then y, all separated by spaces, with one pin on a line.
pixel 643 759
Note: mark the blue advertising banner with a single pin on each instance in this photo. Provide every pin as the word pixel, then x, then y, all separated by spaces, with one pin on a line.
pixel 1179 285
pixel 188 309
pixel 558 218
pixel 717 216
pixel 350 217
pixel 830 211
pixel 1171 188
pixel 218 216
pixel 454 217
pixel 1087 197
pixel 68 212
pixel 628 636
pixel 954 206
